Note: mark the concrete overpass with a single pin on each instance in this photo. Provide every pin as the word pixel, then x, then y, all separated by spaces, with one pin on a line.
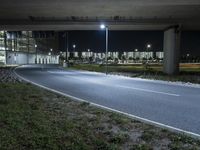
pixel 171 16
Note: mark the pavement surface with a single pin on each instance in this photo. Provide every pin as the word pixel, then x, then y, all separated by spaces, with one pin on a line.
pixel 173 105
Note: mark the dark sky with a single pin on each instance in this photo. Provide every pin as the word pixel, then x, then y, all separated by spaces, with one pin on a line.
pixel 129 40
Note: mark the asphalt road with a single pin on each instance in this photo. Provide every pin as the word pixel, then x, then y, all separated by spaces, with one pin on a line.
pixel 174 105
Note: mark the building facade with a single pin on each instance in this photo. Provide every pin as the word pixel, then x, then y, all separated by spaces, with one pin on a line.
pixel 25 47
pixel 115 55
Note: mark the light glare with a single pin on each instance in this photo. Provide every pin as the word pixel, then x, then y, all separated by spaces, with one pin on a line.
pixel 102 26
pixel 148 45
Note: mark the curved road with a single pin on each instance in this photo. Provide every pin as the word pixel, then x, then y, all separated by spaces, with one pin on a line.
pixel 173 105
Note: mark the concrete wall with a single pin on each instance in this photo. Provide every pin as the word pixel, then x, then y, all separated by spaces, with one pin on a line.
pixel 24 58
pixel 16 58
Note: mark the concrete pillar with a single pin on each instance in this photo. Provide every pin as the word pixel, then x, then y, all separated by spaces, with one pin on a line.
pixel 171 50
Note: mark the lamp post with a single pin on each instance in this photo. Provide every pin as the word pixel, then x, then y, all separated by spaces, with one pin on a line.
pixel 66 48
pixel 147 55
pixel 74 46
pixel 148 48
pixel 67 40
pixel 106 56
pixel 51 52
pixel 88 54
pixel 36 52
pixel 136 50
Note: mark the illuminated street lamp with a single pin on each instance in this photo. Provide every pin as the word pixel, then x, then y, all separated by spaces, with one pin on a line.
pixel 136 50
pixel 148 48
pixel 88 53
pixel 102 26
pixel 36 52
pixel 74 46
pixel 148 45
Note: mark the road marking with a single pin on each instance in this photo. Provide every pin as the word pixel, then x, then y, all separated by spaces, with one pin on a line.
pixel 161 125
pixel 60 72
pixel 127 87
pixel 146 90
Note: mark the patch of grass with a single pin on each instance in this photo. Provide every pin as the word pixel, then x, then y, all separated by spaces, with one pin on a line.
pixel 119 138
pixel 84 104
pixel 32 118
pixel 148 135
pixel 141 147
pixel 103 145
pixel 119 119
pixel 188 72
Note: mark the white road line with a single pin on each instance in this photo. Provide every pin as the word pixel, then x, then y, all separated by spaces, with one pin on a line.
pixel 60 72
pixel 151 91
pixel 174 129
pixel 121 86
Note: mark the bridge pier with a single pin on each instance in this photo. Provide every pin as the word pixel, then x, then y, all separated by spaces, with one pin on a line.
pixel 171 50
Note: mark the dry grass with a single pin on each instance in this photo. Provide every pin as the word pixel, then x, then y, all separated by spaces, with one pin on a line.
pixel 32 118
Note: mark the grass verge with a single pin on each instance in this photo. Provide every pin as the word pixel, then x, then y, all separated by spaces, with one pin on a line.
pixel 188 72
pixel 33 118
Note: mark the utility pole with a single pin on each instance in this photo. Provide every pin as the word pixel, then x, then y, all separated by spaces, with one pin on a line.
pixel 5 46
pixel 66 48
pixel 28 48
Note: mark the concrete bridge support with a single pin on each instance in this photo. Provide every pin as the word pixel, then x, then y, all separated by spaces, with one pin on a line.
pixel 172 50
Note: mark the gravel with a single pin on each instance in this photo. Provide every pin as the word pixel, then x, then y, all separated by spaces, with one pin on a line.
pixel 7 75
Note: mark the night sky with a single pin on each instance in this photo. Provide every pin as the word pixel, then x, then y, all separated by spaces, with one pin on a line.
pixel 129 40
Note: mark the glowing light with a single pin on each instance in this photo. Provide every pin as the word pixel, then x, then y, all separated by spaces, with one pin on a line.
pixel 148 45
pixel 102 26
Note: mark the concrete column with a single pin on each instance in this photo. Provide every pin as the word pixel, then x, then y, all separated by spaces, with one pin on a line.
pixel 171 50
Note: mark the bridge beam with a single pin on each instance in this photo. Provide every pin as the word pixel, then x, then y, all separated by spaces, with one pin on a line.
pixel 171 50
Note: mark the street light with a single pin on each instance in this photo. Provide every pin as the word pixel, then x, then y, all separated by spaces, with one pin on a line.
pixel 74 46
pixel 36 52
pixel 136 50
pixel 88 53
pixel 148 47
pixel 102 26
